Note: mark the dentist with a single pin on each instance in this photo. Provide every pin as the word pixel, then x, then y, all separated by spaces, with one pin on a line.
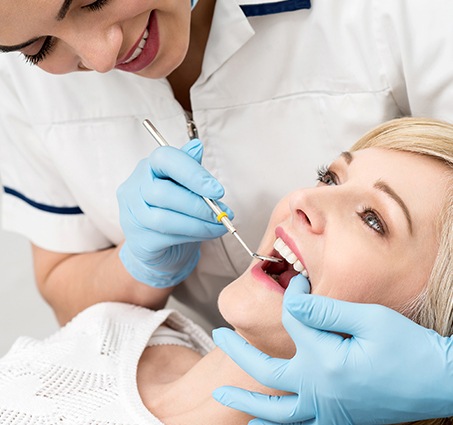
pixel 271 87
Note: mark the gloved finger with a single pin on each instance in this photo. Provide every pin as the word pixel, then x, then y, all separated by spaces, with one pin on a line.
pixel 170 163
pixel 194 148
pixel 272 408
pixel 265 369
pixel 182 228
pixel 264 422
pixel 306 337
pixel 333 315
pixel 301 334
pixel 297 285
pixel 168 195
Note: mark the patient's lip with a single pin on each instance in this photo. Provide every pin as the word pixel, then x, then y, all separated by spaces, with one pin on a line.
pixel 259 274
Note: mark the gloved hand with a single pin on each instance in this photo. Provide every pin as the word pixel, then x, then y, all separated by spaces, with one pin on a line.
pixel 391 370
pixel 164 217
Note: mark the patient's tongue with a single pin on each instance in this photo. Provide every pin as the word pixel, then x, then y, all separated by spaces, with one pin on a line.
pixel 286 276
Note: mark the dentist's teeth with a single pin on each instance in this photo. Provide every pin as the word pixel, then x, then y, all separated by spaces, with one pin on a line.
pixel 289 256
pixel 142 43
pixel 139 48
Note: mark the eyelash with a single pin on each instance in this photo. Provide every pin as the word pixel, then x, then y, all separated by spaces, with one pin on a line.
pixel 97 5
pixel 378 226
pixel 49 42
pixel 47 47
pixel 328 177
pixel 324 173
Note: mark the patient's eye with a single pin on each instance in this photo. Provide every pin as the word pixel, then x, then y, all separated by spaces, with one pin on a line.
pixel 371 219
pixel 326 176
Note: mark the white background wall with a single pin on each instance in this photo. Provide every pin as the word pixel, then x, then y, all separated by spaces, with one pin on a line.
pixel 22 310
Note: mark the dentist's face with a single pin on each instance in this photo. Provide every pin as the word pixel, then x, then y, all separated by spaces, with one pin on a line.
pixel 366 233
pixel 146 37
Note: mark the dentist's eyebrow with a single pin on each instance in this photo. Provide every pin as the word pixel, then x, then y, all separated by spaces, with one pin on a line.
pixel 384 187
pixel 63 10
pixel 59 17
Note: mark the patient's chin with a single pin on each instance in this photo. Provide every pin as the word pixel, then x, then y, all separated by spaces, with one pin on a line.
pixel 276 343
pixel 256 318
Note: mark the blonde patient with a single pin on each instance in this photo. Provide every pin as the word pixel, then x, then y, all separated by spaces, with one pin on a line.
pixel 377 228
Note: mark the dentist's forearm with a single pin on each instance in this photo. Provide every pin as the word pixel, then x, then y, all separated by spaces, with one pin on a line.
pixel 72 282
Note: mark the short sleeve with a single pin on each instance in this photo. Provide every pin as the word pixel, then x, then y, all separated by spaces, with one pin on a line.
pixel 36 201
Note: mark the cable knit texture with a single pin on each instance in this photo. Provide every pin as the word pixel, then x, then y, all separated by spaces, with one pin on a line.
pixel 86 372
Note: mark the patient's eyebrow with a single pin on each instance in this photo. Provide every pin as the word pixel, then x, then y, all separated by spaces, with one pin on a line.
pixel 347 156
pixel 384 187
pixel 59 17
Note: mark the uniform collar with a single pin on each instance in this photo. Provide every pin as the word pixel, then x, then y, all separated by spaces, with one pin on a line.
pixel 231 28
pixel 268 7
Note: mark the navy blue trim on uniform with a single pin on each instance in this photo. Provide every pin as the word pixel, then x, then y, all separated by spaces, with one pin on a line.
pixel 275 7
pixel 43 207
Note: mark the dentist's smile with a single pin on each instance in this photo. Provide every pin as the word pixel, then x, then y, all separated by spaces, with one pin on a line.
pixel 144 50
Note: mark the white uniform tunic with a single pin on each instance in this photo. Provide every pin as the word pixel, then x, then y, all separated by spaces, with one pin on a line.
pixel 284 88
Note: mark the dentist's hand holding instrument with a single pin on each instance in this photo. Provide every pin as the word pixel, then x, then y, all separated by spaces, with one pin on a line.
pixel 166 210
pixel 163 216
pixel 221 216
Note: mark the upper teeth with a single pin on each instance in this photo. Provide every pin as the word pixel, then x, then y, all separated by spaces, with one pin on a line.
pixel 139 48
pixel 286 252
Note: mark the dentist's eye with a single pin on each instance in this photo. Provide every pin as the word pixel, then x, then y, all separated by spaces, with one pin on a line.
pixel 326 176
pixel 371 219
pixel 96 5
pixel 46 48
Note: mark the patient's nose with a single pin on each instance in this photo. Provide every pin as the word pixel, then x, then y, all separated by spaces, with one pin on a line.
pixel 308 209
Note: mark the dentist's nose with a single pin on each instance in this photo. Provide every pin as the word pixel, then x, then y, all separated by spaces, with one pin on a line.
pixel 308 209
pixel 100 50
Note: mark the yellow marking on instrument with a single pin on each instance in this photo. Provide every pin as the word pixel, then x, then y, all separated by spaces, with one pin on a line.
pixel 221 215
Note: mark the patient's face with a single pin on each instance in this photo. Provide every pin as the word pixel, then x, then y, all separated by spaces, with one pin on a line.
pixel 366 233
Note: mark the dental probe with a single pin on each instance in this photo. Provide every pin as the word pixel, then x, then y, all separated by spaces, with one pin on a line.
pixel 221 215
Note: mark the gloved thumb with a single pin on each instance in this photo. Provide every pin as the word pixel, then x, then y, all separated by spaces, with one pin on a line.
pixel 298 285
pixel 194 148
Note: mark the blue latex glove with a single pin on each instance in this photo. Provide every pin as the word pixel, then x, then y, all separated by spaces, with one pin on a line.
pixel 163 216
pixel 390 371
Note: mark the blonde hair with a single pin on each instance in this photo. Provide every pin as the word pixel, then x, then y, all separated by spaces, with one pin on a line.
pixel 434 307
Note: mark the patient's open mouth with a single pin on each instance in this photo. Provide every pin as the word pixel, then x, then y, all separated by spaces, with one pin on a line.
pixel 284 271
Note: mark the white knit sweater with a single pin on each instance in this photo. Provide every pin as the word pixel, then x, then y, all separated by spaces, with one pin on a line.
pixel 86 372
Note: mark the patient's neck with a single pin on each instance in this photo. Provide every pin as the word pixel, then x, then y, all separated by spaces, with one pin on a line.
pixel 176 386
